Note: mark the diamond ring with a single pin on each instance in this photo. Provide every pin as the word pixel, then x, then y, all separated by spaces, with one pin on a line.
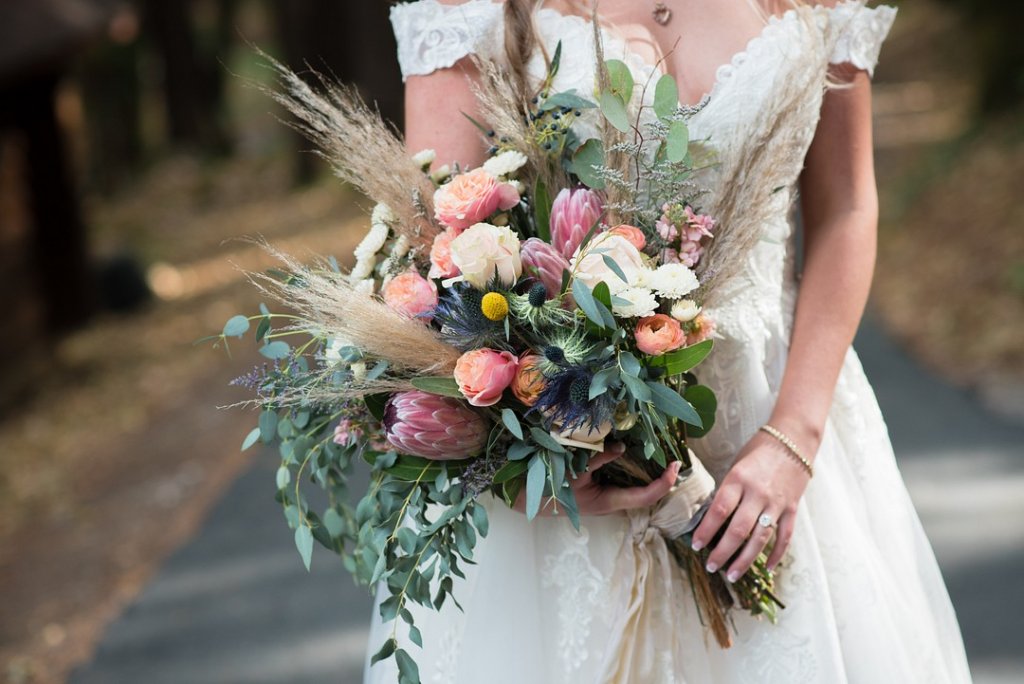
pixel 765 520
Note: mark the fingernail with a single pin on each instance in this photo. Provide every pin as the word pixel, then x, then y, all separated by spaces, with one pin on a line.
pixel 697 545
pixel 712 567
pixel 732 577
pixel 618 448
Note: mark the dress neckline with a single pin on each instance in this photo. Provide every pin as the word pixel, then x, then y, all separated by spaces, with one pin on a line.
pixel 725 72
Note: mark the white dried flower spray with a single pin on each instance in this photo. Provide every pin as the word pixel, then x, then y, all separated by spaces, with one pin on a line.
pixel 424 158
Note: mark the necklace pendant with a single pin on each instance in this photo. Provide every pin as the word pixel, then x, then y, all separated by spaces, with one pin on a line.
pixel 661 13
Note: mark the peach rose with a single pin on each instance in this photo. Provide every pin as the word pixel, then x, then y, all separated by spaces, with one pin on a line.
pixel 529 381
pixel 441 265
pixel 410 294
pixel 483 374
pixel 471 197
pixel 658 334
pixel 631 233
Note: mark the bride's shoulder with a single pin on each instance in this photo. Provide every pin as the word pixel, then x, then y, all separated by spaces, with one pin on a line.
pixel 435 34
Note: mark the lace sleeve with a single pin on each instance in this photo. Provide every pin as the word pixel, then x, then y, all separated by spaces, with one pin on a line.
pixel 433 36
pixel 860 32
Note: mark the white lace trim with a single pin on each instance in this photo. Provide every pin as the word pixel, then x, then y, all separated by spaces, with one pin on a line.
pixel 433 36
pixel 863 29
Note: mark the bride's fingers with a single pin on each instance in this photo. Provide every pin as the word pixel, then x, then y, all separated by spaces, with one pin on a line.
pixel 722 506
pixel 755 545
pixel 783 536
pixel 740 527
pixel 626 498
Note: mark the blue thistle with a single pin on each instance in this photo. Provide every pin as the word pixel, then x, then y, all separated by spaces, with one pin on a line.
pixel 463 324
pixel 566 399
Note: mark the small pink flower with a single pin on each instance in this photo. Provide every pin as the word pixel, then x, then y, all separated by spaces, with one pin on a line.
pixel 670 256
pixel 472 197
pixel 345 431
pixel 573 213
pixel 698 225
pixel 699 329
pixel 631 233
pixel 543 262
pixel 659 334
pixel 689 253
pixel 441 265
pixel 432 426
pixel 410 294
pixel 666 229
pixel 483 374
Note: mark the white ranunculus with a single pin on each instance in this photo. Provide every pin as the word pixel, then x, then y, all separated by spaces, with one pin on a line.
pixel 506 163
pixel 685 310
pixel 593 269
pixel 424 158
pixel 482 250
pixel 637 302
pixel 672 281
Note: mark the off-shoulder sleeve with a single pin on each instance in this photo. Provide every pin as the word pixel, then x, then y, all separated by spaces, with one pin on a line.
pixel 860 33
pixel 433 36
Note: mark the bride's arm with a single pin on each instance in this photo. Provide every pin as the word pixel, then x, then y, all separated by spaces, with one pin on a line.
pixel 840 209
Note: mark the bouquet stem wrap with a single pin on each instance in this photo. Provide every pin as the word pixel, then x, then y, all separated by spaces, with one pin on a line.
pixel 647 572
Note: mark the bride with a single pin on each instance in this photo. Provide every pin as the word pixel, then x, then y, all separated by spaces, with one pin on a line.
pixel 865 600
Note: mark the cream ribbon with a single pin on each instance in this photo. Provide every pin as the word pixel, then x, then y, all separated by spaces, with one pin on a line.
pixel 646 629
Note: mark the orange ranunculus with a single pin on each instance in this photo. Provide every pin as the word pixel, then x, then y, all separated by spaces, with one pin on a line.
pixel 659 334
pixel 529 381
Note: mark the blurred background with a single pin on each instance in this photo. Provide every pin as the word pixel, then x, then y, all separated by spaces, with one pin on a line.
pixel 138 544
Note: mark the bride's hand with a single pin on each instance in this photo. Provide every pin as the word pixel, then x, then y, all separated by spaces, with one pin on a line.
pixel 764 479
pixel 596 499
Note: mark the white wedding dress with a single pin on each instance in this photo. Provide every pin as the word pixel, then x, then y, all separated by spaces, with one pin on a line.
pixel 865 600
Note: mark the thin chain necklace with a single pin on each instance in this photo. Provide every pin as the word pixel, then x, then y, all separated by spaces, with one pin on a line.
pixel 661 13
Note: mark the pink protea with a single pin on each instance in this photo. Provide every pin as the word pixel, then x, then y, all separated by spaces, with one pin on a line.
pixel 543 262
pixel 572 215
pixel 432 426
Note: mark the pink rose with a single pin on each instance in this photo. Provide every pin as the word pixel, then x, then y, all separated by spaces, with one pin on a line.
pixel 631 233
pixel 441 265
pixel 410 294
pixel 658 334
pixel 472 197
pixel 483 374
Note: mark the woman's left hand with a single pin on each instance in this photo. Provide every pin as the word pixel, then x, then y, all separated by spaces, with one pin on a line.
pixel 765 479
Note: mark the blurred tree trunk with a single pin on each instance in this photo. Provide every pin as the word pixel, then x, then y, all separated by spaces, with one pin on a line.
pixel 192 97
pixel 348 41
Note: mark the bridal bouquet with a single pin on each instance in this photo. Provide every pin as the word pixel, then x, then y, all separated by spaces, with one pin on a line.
pixel 500 326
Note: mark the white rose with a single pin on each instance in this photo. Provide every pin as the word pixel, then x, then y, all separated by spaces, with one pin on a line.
pixel 505 163
pixel 637 302
pixel 483 249
pixel 685 310
pixel 672 281
pixel 592 268
pixel 424 158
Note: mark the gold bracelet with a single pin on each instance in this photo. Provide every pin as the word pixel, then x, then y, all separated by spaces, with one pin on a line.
pixel 791 447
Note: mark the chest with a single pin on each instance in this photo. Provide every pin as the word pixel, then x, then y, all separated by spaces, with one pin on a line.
pixel 700 36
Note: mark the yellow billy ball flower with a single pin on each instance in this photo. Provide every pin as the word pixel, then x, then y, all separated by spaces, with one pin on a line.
pixel 494 306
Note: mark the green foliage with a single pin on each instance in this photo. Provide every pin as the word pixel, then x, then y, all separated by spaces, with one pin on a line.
pixel 586 163
pixel 445 386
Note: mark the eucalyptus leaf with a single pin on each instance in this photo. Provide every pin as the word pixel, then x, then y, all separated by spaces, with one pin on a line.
pixel 546 440
pixel 407 667
pixel 705 402
pixel 620 79
pixel 508 417
pixel 276 350
pixel 304 543
pixel 585 300
pixel 284 477
pixel 666 97
pixel 251 438
pixel 615 268
pixel 445 386
pixel 334 523
pixel 677 141
pixel 587 161
pixel 668 401
pixel 542 210
pixel 385 652
pixel 535 477
pixel 510 471
pixel 236 326
pixel 567 98
pixel 614 109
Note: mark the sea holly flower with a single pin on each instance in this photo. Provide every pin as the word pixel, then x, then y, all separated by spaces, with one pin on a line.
pixel 573 213
pixel 432 426
pixel 472 197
